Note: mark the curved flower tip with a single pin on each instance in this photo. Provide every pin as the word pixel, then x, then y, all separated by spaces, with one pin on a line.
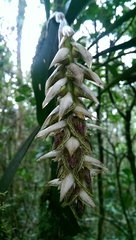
pixel 50 154
pixel 72 144
pixel 52 128
pixel 86 199
pixel 66 184
pixel 85 54
pixel 67 31
pixel 82 112
pixel 55 182
pixel 90 125
pixel 85 92
pixel 65 104
pixel 94 161
pixel 60 56
pixel 50 116
pixel 52 92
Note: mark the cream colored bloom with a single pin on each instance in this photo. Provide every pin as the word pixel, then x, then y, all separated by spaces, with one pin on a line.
pixel 67 122
pixel 65 103
pixel 53 91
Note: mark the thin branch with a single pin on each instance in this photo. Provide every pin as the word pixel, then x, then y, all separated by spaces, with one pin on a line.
pixel 113 59
pixel 113 26
pixel 128 44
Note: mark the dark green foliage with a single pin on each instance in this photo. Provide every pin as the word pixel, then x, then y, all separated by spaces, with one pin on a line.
pixel 46 49
pixel 114 192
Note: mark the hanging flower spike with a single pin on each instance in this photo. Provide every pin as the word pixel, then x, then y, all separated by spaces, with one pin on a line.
pixel 67 122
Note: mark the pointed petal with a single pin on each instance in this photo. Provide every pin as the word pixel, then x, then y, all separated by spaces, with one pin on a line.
pixel 86 92
pixel 50 154
pixel 85 54
pixel 62 41
pixel 82 111
pixel 44 133
pixel 85 198
pixel 47 120
pixel 55 182
pixel 52 92
pixel 75 71
pixel 67 31
pixel 54 77
pixel 65 104
pixel 90 125
pixel 94 172
pixel 90 75
pixel 61 55
pixel 72 144
pixel 66 184
pixel 94 161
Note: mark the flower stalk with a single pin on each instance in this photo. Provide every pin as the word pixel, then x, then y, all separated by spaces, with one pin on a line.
pixel 67 122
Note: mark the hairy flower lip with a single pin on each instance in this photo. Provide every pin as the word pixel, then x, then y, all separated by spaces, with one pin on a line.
pixel 75 71
pixel 94 161
pixel 44 133
pixel 72 144
pixel 52 91
pixel 65 104
pixel 66 184
pixel 50 154
pixel 85 198
pixel 60 56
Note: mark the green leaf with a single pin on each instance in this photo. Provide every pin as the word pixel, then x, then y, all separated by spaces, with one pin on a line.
pixel 46 50
pixel 113 70
pixel 20 98
pixel 75 8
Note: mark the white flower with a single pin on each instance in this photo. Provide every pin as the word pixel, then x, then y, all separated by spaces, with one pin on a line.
pixel 65 104
pixel 82 111
pixel 47 120
pixel 75 71
pixel 61 55
pixel 50 154
pixel 52 128
pixel 90 125
pixel 56 75
pixel 86 92
pixel 85 198
pixel 66 184
pixel 94 162
pixel 72 144
pixel 67 31
pixel 55 182
pixel 85 54
pixel 90 75
pixel 52 92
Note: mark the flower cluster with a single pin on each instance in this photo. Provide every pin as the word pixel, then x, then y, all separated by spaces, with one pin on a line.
pixel 67 123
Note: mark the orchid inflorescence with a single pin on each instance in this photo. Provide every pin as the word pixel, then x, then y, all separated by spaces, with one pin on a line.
pixel 67 122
